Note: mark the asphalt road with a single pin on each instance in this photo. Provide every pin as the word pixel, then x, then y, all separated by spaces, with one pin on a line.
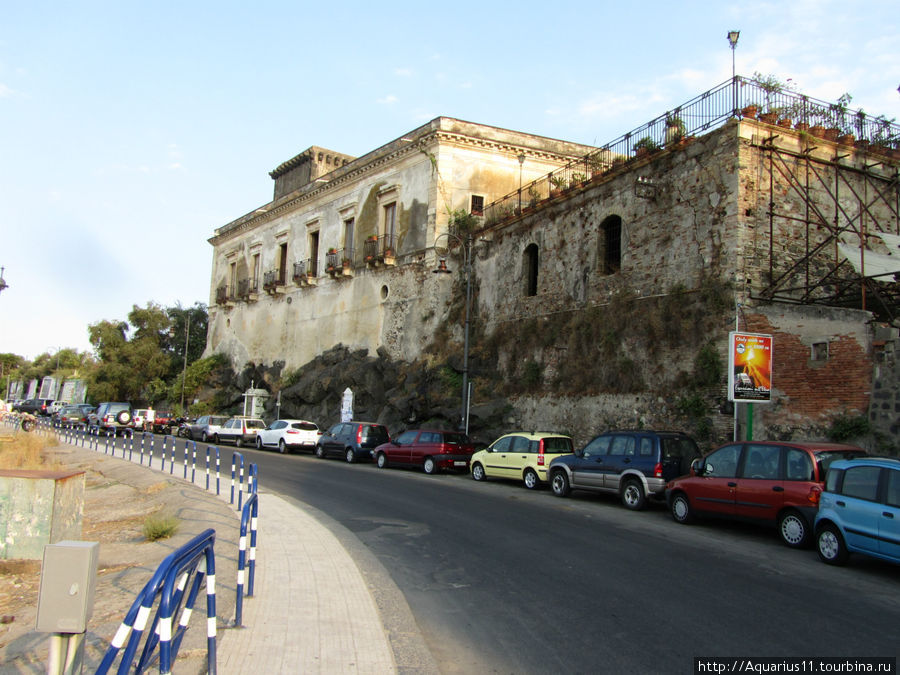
pixel 504 580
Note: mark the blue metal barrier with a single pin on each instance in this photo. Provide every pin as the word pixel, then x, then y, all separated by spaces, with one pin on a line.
pixel 240 491
pixel 208 448
pixel 196 560
pixel 249 516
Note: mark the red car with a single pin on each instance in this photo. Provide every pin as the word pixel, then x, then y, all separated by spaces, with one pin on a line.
pixel 765 481
pixel 428 449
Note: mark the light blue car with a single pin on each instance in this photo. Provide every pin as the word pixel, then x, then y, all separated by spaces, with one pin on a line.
pixel 859 512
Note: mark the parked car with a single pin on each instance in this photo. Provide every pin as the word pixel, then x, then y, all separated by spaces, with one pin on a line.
pixel 142 416
pixel 859 511
pixel 34 406
pixel 429 449
pixel 287 435
pixel 632 464
pixel 522 455
pixel 162 421
pixel 239 430
pixel 72 416
pixel 352 440
pixel 206 426
pixel 112 416
pixel 765 481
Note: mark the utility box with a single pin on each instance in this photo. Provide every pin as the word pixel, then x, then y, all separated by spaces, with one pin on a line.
pixel 68 582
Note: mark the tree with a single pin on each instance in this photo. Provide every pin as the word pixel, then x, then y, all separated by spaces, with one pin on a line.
pixel 188 327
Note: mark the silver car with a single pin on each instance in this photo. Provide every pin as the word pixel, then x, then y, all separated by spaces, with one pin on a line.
pixel 206 427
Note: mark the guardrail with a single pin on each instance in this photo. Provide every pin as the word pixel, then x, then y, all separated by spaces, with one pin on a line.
pixel 185 568
pixel 171 595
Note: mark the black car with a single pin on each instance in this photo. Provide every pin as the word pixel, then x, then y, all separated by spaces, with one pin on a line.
pixel 34 406
pixel 352 440
pixel 633 464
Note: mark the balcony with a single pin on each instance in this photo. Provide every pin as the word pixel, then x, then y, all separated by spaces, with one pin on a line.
pixel 380 250
pixel 223 298
pixel 273 282
pixel 339 263
pixel 305 272
pixel 248 290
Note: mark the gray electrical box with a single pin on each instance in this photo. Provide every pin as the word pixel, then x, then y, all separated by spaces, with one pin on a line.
pixel 68 581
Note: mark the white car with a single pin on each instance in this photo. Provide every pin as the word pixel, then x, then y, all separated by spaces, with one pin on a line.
pixel 287 435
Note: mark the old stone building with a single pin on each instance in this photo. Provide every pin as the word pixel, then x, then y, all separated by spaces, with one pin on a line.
pixel 606 280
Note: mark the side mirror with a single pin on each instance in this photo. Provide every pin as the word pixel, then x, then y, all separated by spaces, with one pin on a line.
pixel 697 466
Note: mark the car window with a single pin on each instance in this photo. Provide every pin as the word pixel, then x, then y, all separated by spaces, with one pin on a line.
pixel 761 461
pixel 861 482
pixel 202 420
pixel 826 457
pixel 892 498
pixel 278 424
pixel 454 438
pixel 305 426
pixel 557 444
pixel 646 446
pixel 679 447
pixel 502 445
pixel 406 437
pixel 622 445
pixel 723 462
pixel 375 433
pixel 597 447
pixel 254 424
pixel 520 444
pixel 798 465
pixel 217 421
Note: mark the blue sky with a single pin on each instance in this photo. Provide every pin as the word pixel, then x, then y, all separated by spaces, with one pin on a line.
pixel 129 131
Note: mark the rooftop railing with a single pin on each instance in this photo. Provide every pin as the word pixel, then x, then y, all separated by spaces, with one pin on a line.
pixel 736 97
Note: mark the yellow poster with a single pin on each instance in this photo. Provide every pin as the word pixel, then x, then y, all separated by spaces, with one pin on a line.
pixel 750 367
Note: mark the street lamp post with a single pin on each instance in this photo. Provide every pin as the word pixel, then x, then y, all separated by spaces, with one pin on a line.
pixel 443 269
pixel 187 337
pixel 3 284
pixel 521 158
pixel 733 36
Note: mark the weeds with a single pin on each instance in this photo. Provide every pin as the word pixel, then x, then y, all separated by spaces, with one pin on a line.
pixel 160 526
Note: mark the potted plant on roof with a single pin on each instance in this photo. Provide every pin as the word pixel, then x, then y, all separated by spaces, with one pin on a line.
pixel 772 86
pixel 645 146
pixel 837 117
pixel 674 129
pixel 559 184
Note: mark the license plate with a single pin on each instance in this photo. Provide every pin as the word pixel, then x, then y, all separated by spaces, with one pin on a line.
pixel 459 463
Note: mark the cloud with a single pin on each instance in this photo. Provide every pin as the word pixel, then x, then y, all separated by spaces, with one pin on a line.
pixel 387 100
pixel 6 92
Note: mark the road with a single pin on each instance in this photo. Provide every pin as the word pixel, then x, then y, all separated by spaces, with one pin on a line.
pixel 504 580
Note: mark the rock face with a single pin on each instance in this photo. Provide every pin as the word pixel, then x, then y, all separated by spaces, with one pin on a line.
pixel 397 394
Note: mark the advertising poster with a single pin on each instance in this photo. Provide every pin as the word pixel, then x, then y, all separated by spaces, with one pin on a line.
pixel 749 367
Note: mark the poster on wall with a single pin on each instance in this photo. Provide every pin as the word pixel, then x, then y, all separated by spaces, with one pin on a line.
pixel 749 367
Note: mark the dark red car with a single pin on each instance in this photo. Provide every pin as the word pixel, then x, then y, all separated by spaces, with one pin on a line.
pixel 429 449
pixel 765 481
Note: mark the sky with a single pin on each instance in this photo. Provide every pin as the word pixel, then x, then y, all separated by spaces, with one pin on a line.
pixel 130 131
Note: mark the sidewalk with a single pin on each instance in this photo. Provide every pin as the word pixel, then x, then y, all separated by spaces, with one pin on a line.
pixel 312 610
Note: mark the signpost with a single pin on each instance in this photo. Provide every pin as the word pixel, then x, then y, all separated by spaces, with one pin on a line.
pixel 749 371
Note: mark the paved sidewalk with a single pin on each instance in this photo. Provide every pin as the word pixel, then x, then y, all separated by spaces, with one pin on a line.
pixel 311 611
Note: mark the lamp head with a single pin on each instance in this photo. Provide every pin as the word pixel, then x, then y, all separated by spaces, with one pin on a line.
pixel 733 36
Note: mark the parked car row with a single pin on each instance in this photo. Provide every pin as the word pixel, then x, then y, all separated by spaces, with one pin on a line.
pixel 856 509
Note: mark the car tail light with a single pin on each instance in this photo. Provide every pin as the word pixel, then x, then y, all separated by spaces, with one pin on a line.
pixel 815 492
pixel 541 453
pixel 292 431
pixel 657 470
pixel 359 434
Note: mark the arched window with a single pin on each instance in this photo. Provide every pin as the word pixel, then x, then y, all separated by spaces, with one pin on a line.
pixel 611 245
pixel 530 267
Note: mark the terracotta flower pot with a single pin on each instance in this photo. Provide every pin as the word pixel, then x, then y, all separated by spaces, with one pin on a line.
pixel 817 131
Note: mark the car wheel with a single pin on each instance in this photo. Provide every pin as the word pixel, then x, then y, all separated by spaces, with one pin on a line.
pixel 239 442
pixel 27 425
pixel 633 495
pixel 282 448
pixel 530 479
pixel 559 484
pixel 478 472
pixel 794 529
pixel 258 443
pixel 380 460
pixel 203 437
pixel 681 509
pixel 351 457
pixel 830 545
pixel 124 417
pixel 429 466
pixel 320 452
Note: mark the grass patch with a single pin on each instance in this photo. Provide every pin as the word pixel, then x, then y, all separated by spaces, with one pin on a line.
pixel 24 452
pixel 160 526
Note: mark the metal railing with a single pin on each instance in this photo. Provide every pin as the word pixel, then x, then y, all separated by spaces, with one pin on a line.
pixel 247 287
pixel 377 248
pixel 735 97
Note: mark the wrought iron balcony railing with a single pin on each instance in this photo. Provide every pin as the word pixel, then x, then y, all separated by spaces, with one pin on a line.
pixel 736 97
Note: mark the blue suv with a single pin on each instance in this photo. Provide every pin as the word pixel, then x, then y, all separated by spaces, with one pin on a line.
pixel 632 464
pixel 859 511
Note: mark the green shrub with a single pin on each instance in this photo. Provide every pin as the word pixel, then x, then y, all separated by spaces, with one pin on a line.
pixel 845 427
pixel 160 526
